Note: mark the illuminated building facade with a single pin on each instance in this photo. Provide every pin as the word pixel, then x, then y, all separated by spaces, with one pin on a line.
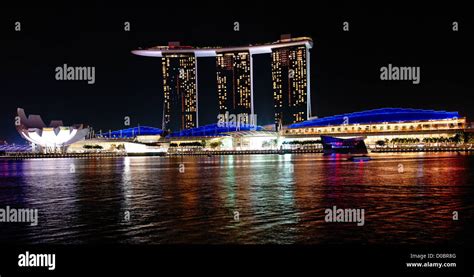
pixel 290 76
pixel 290 70
pixel 392 126
pixel 52 138
pixel 234 84
pixel 381 124
pixel 180 91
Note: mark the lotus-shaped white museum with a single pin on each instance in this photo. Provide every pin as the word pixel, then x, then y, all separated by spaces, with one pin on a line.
pixel 48 139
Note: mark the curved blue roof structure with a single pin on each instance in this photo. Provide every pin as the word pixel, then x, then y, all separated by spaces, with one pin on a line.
pixel 133 132
pixel 213 130
pixel 15 148
pixel 377 116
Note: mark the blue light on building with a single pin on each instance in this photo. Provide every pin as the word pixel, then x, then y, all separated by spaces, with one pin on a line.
pixel 213 130
pixel 133 132
pixel 377 116
pixel 5 148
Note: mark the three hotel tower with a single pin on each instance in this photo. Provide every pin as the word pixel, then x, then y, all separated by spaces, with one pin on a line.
pixel 234 65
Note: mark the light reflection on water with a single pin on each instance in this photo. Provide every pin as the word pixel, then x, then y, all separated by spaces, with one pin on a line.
pixel 280 199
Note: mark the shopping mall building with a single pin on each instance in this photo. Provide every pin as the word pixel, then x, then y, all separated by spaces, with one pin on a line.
pixel 414 126
pixel 381 125
pixel 391 126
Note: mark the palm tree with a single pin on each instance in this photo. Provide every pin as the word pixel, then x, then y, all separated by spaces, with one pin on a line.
pixel 458 138
pixel 216 144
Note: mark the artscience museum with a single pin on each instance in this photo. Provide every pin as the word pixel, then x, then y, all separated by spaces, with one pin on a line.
pixel 52 138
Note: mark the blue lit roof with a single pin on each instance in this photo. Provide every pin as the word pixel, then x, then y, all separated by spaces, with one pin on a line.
pixel 377 116
pixel 133 132
pixel 15 148
pixel 213 130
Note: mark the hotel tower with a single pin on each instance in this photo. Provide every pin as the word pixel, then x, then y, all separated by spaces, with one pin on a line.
pixel 234 69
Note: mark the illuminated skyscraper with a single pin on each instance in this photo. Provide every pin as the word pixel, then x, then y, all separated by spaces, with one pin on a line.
pixel 291 87
pixel 290 74
pixel 180 91
pixel 234 82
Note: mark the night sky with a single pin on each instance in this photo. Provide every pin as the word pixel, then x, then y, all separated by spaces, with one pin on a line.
pixel 345 66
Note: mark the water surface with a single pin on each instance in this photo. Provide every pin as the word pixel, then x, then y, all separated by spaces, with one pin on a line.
pixel 408 199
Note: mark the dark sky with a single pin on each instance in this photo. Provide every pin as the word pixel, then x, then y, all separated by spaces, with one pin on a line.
pixel 345 66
